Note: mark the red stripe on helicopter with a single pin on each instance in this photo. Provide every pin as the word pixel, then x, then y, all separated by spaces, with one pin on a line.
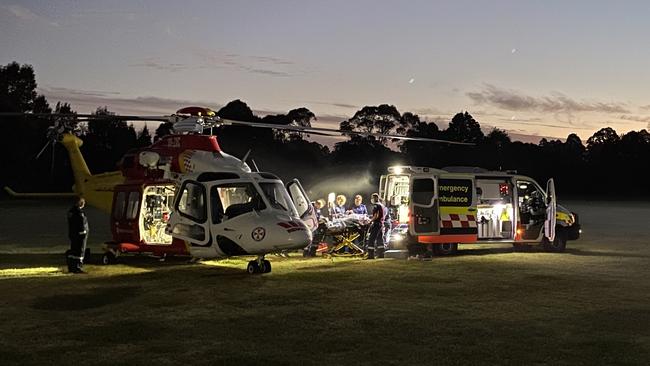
pixel 291 226
pixel 296 229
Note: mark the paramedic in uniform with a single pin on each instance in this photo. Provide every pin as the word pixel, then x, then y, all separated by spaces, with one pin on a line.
pixel 375 238
pixel 358 207
pixel 339 207
pixel 78 234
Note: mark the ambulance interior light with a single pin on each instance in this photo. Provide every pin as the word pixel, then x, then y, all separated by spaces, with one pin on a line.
pixel 395 169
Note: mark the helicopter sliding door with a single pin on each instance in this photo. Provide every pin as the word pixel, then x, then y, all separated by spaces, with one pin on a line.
pixel 190 219
pixel 306 212
pixel 156 202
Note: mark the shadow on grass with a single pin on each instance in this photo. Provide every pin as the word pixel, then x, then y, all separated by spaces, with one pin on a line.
pixel 26 260
pixel 93 299
pixel 594 253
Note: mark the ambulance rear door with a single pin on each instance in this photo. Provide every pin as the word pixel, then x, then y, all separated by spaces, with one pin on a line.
pixel 423 205
pixel 458 207
pixel 551 209
pixel 382 187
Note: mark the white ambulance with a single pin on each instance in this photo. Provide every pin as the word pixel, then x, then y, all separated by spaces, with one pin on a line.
pixel 460 205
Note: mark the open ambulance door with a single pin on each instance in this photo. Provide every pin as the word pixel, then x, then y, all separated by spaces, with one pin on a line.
pixel 551 208
pixel 189 220
pixel 306 211
pixel 423 205
pixel 382 187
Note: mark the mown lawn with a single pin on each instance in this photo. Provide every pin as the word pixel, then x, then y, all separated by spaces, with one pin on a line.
pixel 588 306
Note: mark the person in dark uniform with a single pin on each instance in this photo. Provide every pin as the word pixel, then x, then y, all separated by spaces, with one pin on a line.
pixel 78 234
pixel 388 225
pixel 358 207
pixel 375 238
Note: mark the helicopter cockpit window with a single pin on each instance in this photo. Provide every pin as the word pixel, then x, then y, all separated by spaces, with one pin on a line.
pixel 192 202
pixel 278 197
pixel 230 200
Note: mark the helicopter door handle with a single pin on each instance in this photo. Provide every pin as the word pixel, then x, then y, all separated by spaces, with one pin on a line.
pixel 471 209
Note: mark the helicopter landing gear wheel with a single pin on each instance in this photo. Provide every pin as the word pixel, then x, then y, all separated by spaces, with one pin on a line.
pixel 252 267
pixel 108 258
pixel 258 266
pixel 267 266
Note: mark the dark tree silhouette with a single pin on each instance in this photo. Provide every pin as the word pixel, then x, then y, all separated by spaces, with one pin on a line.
pixel 17 88
pixel 107 140
pixel 239 111
pixel 374 119
pixel 144 137
pixel 164 129
pixel 464 128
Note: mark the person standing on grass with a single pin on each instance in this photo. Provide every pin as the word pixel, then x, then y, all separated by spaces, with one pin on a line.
pixel 375 246
pixel 78 235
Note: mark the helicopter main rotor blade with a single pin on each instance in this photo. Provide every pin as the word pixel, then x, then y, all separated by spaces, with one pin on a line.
pixel 86 117
pixel 43 149
pixel 210 121
pixel 331 130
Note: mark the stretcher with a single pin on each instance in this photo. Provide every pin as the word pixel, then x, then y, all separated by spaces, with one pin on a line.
pixel 347 234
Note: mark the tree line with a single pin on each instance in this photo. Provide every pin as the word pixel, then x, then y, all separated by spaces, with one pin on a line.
pixel 606 165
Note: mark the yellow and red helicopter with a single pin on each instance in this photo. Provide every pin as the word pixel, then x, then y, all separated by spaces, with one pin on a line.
pixel 183 195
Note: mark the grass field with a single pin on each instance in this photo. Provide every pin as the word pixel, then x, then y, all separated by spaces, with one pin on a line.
pixel 488 305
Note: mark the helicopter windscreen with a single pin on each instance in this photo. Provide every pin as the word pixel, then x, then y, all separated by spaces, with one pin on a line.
pixel 278 197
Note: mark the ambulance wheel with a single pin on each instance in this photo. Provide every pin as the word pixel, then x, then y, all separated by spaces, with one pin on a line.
pixel 108 258
pixel 445 249
pixel 253 267
pixel 558 245
pixel 266 266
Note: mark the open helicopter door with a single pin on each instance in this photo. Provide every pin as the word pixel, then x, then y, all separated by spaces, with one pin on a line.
pixel 423 205
pixel 551 208
pixel 306 211
pixel 189 221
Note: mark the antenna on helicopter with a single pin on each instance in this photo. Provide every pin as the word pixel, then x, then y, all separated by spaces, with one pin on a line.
pixel 243 160
pixel 255 165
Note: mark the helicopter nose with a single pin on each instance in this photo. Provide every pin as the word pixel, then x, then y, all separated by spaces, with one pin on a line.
pixel 299 235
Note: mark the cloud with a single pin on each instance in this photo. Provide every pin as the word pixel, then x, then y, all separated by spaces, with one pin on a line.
pixel 644 119
pixel 513 100
pixel 25 14
pixel 265 71
pixel 264 65
pixel 645 107
pixel 103 13
pixel 272 60
pixel 536 122
pixel 333 104
pixel 256 64
pixel 428 111
pixel 85 101
pixel 153 63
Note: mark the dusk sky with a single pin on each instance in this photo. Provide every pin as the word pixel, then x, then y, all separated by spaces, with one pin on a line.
pixel 533 68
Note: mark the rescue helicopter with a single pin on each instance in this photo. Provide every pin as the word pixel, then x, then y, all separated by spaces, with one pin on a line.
pixel 183 195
